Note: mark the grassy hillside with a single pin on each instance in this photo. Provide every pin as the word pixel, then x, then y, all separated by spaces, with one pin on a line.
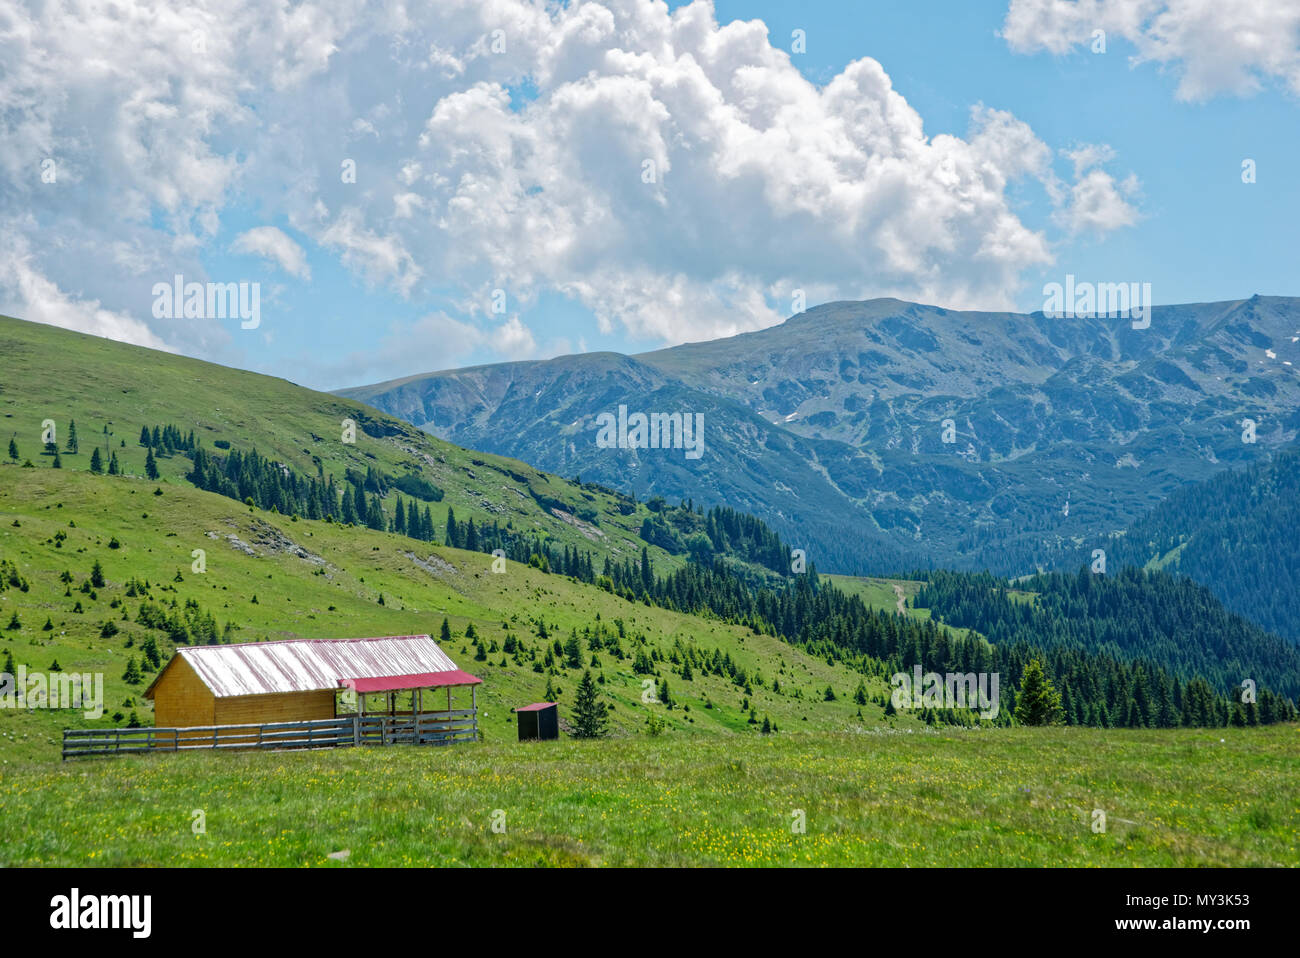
pixel 112 389
pixel 996 798
pixel 315 579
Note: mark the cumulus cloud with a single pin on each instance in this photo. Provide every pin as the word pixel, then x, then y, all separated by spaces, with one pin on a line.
pixel 274 245
pixel 1096 203
pixel 678 177
pixel 1224 47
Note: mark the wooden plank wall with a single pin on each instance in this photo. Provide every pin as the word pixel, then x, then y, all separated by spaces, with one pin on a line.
pixel 278 707
pixel 181 698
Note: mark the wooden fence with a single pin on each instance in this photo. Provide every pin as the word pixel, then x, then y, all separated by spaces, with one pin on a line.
pixel 426 728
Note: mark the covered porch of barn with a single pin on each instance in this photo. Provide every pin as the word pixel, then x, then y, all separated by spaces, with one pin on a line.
pixel 393 709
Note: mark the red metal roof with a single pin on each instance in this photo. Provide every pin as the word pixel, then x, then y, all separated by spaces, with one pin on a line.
pixel 420 680
pixel 535 707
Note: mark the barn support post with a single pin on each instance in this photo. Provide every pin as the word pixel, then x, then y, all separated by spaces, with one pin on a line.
pixel 473 707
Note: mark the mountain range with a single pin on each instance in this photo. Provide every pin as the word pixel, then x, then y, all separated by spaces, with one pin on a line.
pixel 886 435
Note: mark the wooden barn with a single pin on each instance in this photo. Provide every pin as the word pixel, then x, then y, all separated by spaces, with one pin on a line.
pixel 390 684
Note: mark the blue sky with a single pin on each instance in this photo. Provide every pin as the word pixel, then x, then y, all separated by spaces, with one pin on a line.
pixel 520 170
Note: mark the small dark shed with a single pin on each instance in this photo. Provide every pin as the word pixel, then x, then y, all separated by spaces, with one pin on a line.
pixel 539 720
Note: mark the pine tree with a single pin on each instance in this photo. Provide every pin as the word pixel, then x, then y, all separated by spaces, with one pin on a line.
pixel 860 696
pixel 72 436
pixel 453 533
pixel 114 469
pixel 58 463
pixel 150 466
pixel 144 437
pixel 132 675
pixel 590 714
pixel 97 575
pixel 1039 703
pixel 13 449
pixel 96 462
pixel 445 634
pixel 573 652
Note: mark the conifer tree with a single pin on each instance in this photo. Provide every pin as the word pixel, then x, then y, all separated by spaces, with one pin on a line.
pixel 1039 703
pixel 114 469
pixel 132 675
pixel 150 466
pixel 96 462
pixel 72 436
pixel 13 449
pixel 590 714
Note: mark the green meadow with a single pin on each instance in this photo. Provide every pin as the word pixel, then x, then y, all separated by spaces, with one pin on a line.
pixel 1011 797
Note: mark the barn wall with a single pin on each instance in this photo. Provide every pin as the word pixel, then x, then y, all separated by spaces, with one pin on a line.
pixel 278 707
pixel 180 698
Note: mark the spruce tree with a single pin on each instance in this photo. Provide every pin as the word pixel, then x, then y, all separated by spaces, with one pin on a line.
pixel 132 675
pixel 590 714
pixel 150 466
pixel 453 534
pixel 72 436
pixel 13 449
pixel 1039 703
pixel 96 462
pixel 114 469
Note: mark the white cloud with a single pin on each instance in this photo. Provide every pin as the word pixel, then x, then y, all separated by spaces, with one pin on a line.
pixel 1215 46
pixel 1096 203
pixel 274 245
pixel 432 342
pixel 27 294
pixel 523 170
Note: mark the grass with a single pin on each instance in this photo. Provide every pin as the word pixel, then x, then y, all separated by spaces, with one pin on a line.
pixel 56 374
pixel 1006 797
